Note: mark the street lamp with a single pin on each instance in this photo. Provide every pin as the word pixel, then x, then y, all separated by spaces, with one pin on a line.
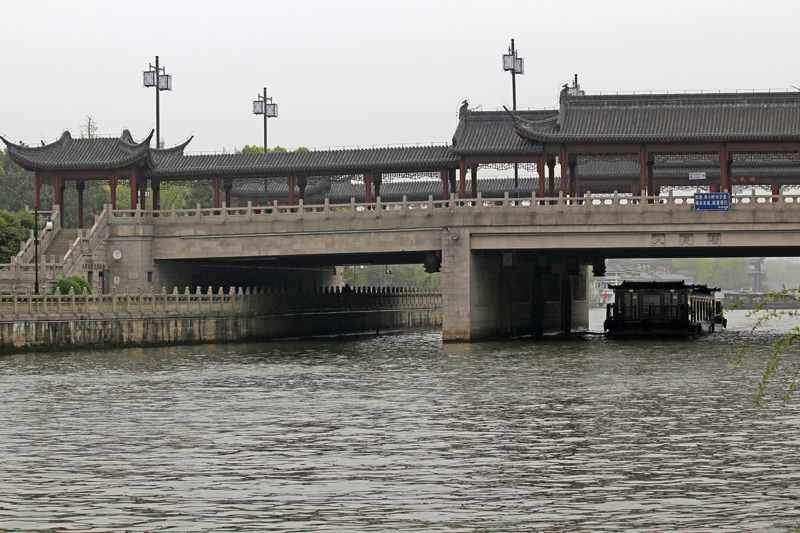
pixel 264 106
pixel 515 65
pixel 158 78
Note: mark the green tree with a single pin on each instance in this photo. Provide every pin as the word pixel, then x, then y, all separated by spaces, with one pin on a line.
pixel 726 273
pixel 14 229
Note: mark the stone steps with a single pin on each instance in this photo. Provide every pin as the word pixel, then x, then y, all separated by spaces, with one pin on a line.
pixel 61 244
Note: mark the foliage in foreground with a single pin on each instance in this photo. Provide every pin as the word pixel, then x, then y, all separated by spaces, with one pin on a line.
pixel 781 346
pixel 14 229
pixel 74 282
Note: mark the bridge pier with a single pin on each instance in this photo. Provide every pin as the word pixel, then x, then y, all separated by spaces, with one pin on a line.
pixel 490 294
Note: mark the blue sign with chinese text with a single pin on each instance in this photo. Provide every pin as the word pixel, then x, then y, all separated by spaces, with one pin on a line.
pixel 712 201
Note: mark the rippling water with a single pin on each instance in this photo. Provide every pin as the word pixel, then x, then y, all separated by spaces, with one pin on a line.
pixel 397 433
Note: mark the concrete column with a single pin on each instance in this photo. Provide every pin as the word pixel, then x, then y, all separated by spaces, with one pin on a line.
pixel 80 186
pixel 456 286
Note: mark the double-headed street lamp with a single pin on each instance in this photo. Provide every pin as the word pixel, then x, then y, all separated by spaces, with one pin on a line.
pixel 515 65
pixel 158 78
pixel 264 106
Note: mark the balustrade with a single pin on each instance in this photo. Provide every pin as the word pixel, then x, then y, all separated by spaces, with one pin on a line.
pixel 26 306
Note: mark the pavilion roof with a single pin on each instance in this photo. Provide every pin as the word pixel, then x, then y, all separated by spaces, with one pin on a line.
pixel 493 133
pixel 409 158
pixel 667 118
pixel 93 153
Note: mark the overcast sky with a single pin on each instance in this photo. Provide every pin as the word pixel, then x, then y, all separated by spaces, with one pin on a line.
pixel 347 73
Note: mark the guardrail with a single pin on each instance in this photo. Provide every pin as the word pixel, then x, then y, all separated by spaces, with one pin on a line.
pixel 404 208
pixel 29 306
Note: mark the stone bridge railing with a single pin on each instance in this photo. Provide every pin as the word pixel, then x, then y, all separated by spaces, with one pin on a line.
pixel 28 306
pixel 589 203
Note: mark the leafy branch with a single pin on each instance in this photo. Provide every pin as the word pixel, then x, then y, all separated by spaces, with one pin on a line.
pixel 765 312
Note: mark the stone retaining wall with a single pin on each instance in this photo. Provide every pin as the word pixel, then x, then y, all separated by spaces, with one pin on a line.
pixel 23 335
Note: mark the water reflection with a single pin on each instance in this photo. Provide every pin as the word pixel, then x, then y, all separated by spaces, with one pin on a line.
pixel 396 433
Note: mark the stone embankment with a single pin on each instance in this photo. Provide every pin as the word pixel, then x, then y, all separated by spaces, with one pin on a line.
pixel 29 321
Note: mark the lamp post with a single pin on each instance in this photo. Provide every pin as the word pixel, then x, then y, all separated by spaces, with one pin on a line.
pixel 158 78
pixel 515 65
pixel 264 106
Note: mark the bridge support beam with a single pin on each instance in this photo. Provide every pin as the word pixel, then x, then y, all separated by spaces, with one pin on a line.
pixel 489 294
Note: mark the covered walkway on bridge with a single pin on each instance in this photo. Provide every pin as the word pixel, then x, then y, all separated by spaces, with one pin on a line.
pixel 632 143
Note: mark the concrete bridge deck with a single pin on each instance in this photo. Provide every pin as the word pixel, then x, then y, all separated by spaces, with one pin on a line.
pixel 601 226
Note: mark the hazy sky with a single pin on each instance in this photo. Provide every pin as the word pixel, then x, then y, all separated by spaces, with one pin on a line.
pixel 376 72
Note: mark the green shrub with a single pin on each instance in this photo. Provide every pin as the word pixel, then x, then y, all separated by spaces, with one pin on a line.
pixel 76 283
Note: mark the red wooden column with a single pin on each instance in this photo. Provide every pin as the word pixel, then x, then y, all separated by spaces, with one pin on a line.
pixel 473 173
pixel 215 186
pixel 724 169
pixel 377 178
pixel 643 169
pixel 112 186
pixel 562 160
pixel 551 176
pixel 143 193
pixel 290 181
pixel 367 187
pixel 155 185
pixel 132 181
pixel 651 184
pixel 462 172
pixel 227 185
pixel 37 190
pixel 301 187
pixel 540 166
pixel 59 186
pixel 80 186
pixel 573 178
pixel 445 175
pixel 451 174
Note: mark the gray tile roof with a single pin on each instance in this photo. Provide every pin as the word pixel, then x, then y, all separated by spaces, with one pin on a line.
pixel 492 133
pixel 407 159
pixel 668 118
pixel 67 153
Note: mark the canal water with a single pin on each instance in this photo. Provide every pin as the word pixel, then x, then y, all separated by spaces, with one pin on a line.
pixel 399 433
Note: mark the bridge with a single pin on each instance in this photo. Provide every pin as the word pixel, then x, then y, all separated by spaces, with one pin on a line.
pixel 511 265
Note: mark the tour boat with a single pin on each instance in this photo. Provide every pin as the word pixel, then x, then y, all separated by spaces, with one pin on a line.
pixel 662 308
